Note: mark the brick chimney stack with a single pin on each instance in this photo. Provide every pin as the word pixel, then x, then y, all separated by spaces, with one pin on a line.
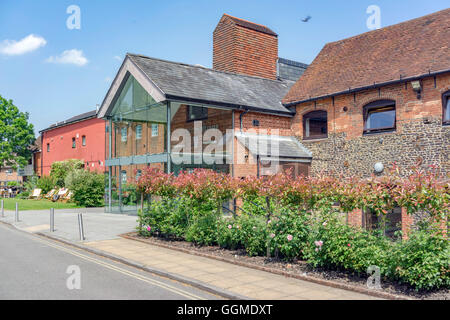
pixel 244 47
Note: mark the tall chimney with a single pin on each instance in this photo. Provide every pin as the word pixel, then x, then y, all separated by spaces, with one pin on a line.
pixel 244 47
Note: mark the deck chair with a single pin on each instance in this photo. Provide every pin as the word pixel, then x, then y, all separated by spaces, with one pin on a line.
pixel 50 194
pixel 36 194
pixel 67 197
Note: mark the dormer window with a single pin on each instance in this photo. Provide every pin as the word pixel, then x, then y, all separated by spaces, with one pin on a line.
pixel 379 116
pixel 446 108
pixel 315 125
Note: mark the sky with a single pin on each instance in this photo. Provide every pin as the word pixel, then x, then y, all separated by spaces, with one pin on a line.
pixel 54 72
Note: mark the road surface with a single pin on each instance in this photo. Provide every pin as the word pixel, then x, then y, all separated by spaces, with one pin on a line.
pixel 36 268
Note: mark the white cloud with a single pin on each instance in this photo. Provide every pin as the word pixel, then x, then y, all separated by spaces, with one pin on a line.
pixel 108 79
pixel 72 56
pixel 27 44
pixel 118 58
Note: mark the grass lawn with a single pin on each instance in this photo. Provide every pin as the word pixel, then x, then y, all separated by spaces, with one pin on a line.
pixel 24 204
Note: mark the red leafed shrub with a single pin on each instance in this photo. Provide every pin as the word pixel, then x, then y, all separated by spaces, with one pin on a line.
pixel 423 190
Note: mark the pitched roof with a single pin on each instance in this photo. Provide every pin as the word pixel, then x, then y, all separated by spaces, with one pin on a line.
pixel 80 117
pixel 405 50
pixel 179 81
pixel 251 25
pixel 273 145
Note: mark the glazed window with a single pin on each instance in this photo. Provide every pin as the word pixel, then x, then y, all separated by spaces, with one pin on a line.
pixel 196 113
pixel 315 125
pixel 74 143
pixel 83 140
pixel 379 116
pixel 154 129
pixel 123 133
pixel 48 147
pixel 123 177
pixel 139 132
pixel 138 174
pixel 446 108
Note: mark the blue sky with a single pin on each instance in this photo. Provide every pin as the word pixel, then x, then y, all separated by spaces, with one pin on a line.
pixel 173 30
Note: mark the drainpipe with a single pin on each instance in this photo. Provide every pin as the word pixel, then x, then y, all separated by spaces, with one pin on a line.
pixel 240 117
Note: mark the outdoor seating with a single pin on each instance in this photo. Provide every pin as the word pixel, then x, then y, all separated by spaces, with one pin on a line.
pixel 36 194
pixel 50 194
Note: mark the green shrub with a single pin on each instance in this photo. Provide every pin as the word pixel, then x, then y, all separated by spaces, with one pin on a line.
pixel 45 183
pixel 334 244
pixel 253 234
pixel 88 187
pixel 202 229
pixel 13 184
pixel 423 260
pixel 228 233
pixel 60 169
pixel 288 233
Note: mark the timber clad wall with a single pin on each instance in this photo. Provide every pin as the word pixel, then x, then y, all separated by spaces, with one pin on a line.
pixel 419 133
pixel 243 50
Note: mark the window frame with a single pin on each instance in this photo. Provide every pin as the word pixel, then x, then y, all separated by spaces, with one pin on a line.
pixel 83 141
pixel 139 137
pixel 155 125
pixel 48 147
pixel 123 173
pixel 445 105
pixel 188 113
pixel 122 137
pixel 74 143
pixel 308 115
pixel 379 104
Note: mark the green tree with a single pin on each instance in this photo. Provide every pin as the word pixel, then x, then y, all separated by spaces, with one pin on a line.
pixel 60 170
pixel 16 135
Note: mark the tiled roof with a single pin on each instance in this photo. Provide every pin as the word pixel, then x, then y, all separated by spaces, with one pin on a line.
pixel 83 116
pixel 273 145
pixel 179 81
pixel 405 50
pixel 251 25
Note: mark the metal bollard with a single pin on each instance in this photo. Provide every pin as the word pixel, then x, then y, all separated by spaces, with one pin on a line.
pixel 52 219
pixel 80 226
pixel 17 213
pixel 3 208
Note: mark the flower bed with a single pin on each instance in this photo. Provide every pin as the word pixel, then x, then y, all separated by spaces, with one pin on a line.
pixel 298 219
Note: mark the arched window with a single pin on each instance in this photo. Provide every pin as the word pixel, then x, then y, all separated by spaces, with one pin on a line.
pixel 315 125
pixel 379 116
pixel 446 108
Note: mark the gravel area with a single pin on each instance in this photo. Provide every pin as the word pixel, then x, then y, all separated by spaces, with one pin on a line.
pixel 296 267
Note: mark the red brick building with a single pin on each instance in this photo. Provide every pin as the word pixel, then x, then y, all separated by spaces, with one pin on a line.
pixel 372 99
pixel 378 98
pixel 81 137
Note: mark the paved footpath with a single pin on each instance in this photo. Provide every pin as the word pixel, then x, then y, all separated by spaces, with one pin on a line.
pixel 242 281
pixel 102 234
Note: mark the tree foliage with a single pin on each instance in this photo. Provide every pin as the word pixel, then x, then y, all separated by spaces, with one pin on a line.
pixel 16 135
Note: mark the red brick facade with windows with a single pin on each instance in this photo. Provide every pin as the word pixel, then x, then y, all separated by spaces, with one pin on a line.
pixel 57 144
pixel 244 47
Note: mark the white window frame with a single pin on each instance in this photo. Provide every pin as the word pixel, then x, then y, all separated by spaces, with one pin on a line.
pixel 155 130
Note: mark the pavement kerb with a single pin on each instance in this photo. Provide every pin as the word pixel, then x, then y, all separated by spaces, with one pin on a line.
pixel 329 283
pixel 186 280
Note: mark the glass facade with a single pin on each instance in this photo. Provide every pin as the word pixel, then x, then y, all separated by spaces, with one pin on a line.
pixel 137 137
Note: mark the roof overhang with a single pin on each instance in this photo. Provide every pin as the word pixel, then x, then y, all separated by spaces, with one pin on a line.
pixel 368 87
pixel 128 67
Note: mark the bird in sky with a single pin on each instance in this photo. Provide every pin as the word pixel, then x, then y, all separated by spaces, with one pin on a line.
pixel 306 19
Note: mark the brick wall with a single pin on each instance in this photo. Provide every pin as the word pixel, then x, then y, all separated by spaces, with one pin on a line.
pixel 243 50
pixel 419 133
